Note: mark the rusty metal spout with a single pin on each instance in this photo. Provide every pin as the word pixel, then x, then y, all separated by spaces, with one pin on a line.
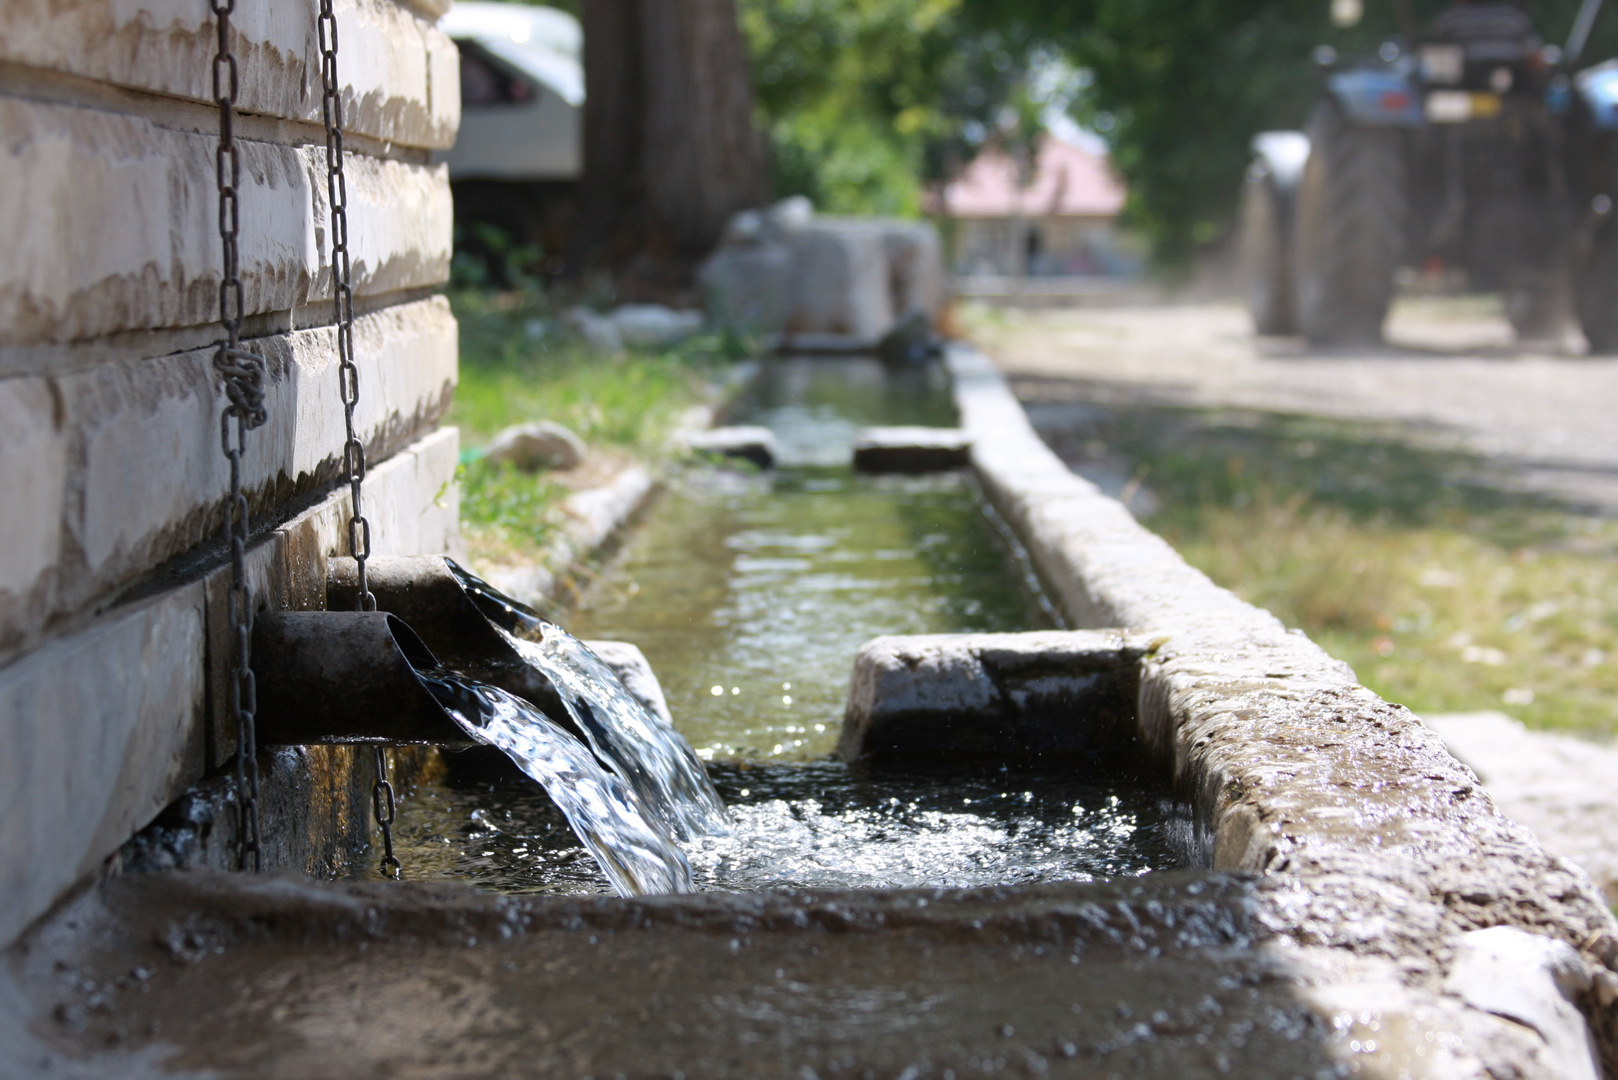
pixel 345 677
pixel 455 625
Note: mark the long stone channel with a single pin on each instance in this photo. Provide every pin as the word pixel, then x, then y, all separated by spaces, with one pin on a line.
pixel 1355 904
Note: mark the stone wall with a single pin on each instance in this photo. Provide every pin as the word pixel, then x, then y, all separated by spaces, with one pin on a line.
pixel 111 475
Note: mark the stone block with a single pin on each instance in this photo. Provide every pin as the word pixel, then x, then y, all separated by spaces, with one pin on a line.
pixel 823 279
pixel 839 283
pixel 100 730
pixel 146 479
pixel 33 480
pixel 1378 842
pixel 1007 695
pixel 121 230
pixel 1536 981
pixel 105 727
pixel 748 287
pixel 400 74
pixel 911 449
pixel 635 672
pixel 651 326
pixel 749 442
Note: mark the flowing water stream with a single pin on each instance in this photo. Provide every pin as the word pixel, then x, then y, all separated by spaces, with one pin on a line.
pixel 749 593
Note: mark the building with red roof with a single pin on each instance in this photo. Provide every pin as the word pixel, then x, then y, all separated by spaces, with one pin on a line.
pixel 1056 215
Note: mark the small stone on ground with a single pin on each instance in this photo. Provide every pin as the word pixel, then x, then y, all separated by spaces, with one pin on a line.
pixel 543 444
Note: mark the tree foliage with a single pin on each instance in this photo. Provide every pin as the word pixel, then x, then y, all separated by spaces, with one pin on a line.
pixel 865 100
pixel 1181 86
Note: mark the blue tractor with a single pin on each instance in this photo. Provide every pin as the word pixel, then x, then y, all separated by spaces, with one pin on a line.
pixel 1472 146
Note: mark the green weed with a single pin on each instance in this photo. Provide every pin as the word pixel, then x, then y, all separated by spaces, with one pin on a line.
pixel 517 365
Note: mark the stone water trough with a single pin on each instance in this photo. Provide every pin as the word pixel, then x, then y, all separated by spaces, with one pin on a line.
pixel 1352 903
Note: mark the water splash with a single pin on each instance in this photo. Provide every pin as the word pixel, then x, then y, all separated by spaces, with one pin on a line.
pixel 651 757
pixel 641 747
pixel 634 853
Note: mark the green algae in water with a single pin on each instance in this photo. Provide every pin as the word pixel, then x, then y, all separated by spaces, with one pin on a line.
pixel 750 596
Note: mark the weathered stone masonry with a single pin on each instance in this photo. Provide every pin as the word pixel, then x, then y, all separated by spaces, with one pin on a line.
pixel 111 476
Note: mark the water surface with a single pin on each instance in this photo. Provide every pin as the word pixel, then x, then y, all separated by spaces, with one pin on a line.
pixel 750 593
pixel 816 825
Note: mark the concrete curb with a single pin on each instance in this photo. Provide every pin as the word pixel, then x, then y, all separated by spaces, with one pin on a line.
pixel 1372 839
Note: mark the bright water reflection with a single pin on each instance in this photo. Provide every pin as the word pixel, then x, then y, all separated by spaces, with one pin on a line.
pixel 818 825
pixel 636 857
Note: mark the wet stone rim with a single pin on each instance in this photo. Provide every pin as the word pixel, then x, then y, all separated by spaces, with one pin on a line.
pixel 1373 841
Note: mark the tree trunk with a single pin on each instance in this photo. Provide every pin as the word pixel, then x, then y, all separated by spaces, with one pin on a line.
pixel 702 158
pixel 670 151
pixel 612 110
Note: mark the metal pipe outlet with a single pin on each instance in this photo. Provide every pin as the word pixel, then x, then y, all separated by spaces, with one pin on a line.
pixel 456 626
pixel 345 677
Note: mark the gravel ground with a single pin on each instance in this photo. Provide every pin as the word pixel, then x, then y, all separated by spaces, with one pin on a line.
pixel 1451 376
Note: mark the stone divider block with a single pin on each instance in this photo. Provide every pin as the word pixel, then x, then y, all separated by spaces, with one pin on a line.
pixel 400 73
pixel 130 470
pixel 911 449
pixel 1007 695
pixel 104 728
pixel 749 442
pixel 114 225
pixel 1379 843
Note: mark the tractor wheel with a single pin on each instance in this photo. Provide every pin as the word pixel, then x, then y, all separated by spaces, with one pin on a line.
pixel 1595 291
pixel 1266 253
pixel 1349 235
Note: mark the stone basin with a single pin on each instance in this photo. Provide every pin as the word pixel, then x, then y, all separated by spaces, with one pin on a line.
pixel 1355 904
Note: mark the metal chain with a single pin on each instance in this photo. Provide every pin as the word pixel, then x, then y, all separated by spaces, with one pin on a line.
pixel 382 804
pixel 243 375
pixel 348 375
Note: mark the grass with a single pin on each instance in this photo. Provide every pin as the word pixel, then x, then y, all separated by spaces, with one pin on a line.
pixel 1442 590
pixel 516 367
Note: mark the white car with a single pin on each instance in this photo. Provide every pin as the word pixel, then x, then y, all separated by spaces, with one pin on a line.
pixel 522 92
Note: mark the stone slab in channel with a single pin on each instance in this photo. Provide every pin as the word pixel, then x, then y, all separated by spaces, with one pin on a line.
pixel 120 231
pixel 911 449
pixel 1062 692
pixel 399 72
pixel 746 441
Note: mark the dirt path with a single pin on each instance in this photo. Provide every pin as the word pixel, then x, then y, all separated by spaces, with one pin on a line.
pixel 1451 375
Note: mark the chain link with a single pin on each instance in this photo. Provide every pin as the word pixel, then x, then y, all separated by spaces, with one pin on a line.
pixel 348 375
pixel 243 374
pixel 382 805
